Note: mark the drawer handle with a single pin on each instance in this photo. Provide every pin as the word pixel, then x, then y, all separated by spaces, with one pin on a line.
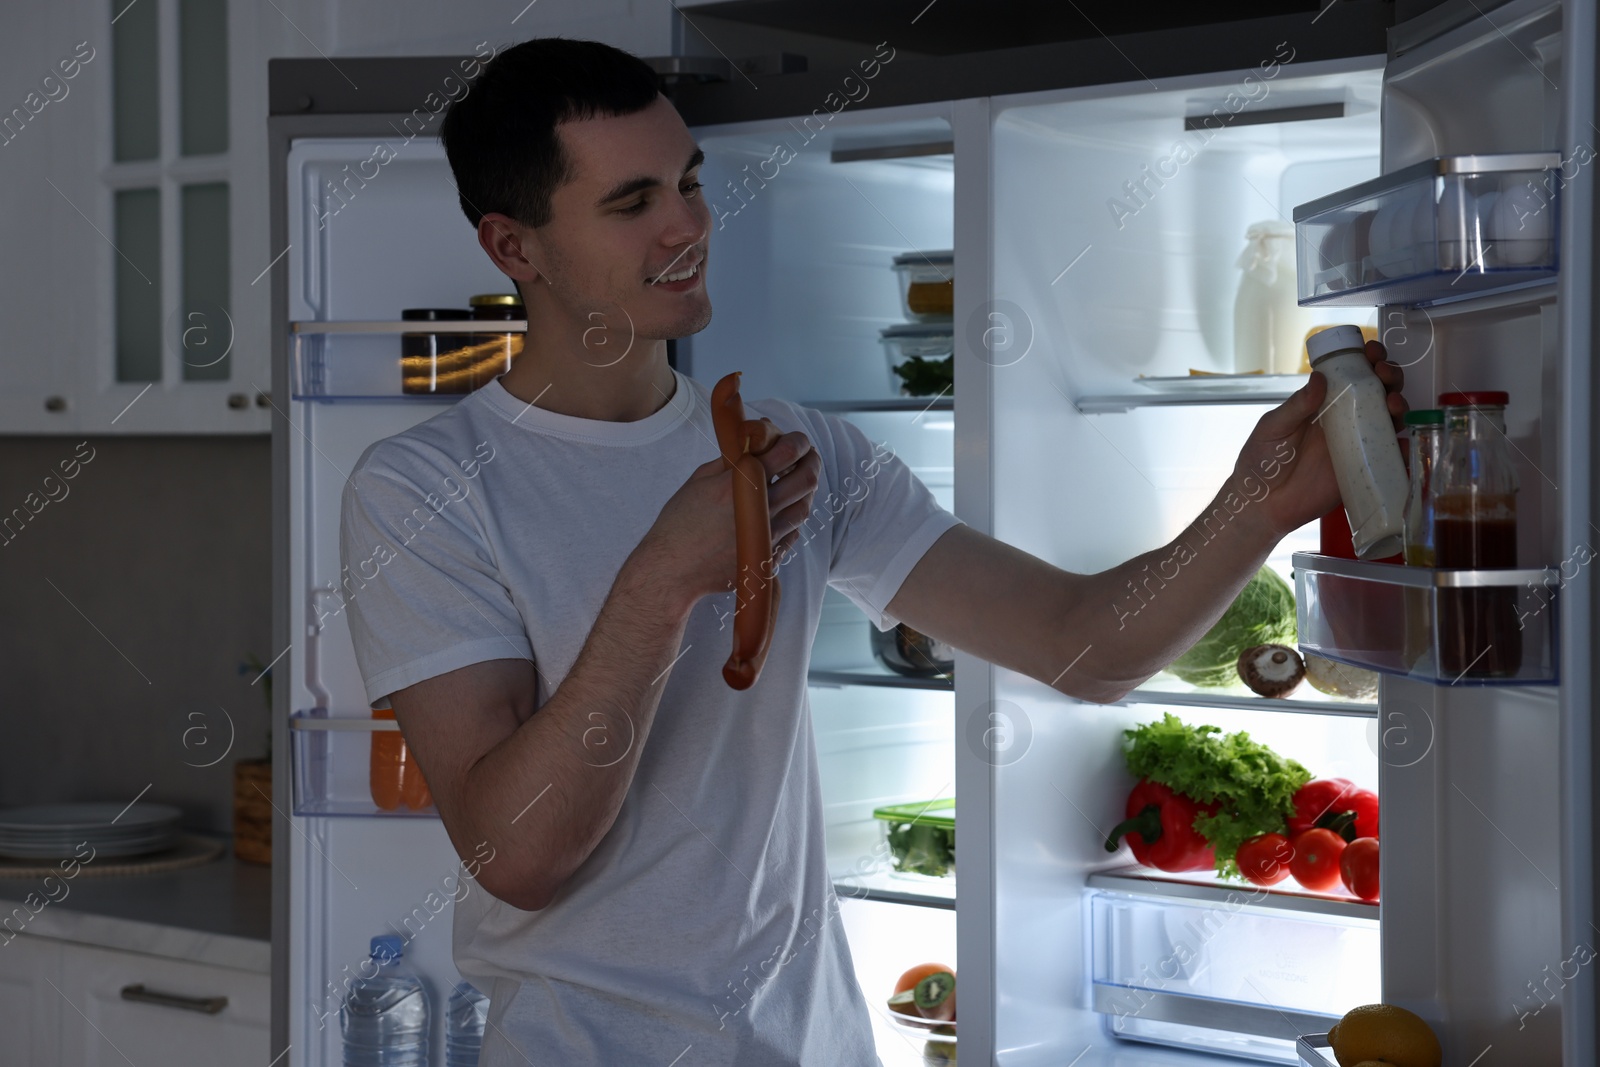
pixel 208 1005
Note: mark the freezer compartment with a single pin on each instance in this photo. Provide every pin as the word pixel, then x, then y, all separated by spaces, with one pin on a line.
pixel 1232 972
pixel 334 774
pixel 379 360
pixel 1445 627
pixel 1444 229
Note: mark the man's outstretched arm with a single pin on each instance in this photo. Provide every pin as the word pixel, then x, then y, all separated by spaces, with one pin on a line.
pixel 1097 636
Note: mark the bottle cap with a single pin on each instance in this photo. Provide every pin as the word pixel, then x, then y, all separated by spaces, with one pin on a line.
pixel 387 947
pixel 1483 399
pixel 1425 417
pixel 496 300
pixel 1324 343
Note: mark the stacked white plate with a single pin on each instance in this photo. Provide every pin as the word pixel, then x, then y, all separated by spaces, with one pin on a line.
pixel 58 831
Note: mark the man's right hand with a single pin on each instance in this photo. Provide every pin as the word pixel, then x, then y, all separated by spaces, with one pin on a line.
pixel 692 540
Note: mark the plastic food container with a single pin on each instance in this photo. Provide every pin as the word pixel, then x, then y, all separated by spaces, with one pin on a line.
pixel 1444 229
pixel 921 837
pixel 921 358
pixel 927 285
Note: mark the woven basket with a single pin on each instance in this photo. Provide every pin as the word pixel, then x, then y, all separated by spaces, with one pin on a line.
pixel 252 810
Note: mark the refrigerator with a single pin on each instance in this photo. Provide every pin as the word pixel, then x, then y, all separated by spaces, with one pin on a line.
pixel 1095 260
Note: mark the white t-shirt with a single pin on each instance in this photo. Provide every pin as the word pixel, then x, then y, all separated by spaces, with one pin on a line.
pixel 705 919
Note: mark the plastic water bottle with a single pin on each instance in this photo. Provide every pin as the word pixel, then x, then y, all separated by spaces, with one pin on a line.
pixel 469 1010
pixel 384 1019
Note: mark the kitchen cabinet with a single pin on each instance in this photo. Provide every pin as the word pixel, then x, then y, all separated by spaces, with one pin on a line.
pixel 30 1010
pixel 67 1003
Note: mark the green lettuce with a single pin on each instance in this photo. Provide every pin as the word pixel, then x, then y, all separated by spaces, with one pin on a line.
pixel 1254 785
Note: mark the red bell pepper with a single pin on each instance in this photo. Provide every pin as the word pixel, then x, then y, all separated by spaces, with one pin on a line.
pixel 1322 802
pixel 1160 829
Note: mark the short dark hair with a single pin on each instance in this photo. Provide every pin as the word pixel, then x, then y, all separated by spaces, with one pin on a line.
pixel 501 137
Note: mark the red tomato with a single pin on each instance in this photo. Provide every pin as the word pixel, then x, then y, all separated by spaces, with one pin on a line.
pixel 1358 867
pixel 1264 859
pixel 1318 801
pixel 1315 863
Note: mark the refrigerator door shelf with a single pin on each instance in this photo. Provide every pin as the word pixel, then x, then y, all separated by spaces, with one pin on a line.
pixel 332 760
pixel 1441 626
pixel 397 360
pixel 1225 975
pixel 1443 230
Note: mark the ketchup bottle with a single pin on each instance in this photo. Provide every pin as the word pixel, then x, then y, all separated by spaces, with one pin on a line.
pixel 1475 528
pixel 395 779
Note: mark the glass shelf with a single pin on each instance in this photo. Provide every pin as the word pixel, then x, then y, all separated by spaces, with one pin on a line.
pixel 1442 626
pixel 894 888
pixel 1446 229
pixel 1207 886
pixel 894 403
pixel 872 674
pixel 411 361
pixel 1168 690
pixel 332 759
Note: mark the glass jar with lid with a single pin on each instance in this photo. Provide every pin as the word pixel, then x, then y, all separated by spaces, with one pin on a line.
pixel 1475 528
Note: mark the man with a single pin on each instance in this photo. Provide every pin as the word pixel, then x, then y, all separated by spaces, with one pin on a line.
pixel 551 640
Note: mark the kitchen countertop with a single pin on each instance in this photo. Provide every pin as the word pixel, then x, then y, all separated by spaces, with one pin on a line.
pixel 218 913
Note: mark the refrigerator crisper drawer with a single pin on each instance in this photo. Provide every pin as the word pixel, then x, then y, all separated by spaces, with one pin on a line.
pixel 415 360
pixel 1446 627
pixel 1231 971
pixel 1444 229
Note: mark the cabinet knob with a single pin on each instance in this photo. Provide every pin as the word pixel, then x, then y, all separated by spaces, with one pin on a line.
pixel 263 400
pixel 238 400
pixel 206 1005
pixel 55 403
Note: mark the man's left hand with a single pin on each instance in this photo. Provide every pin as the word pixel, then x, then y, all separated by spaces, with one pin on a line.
pixel 1288 454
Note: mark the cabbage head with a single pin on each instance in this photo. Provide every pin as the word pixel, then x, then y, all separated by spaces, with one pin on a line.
pixel 1262 614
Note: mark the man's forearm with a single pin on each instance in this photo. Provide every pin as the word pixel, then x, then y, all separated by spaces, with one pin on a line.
pixel 547 794
pixel 1143 614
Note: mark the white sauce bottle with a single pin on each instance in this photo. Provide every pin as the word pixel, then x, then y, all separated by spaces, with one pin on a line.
pixel 1361 442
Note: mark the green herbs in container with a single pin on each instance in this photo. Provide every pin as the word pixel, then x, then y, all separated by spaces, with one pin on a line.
pixel 921 837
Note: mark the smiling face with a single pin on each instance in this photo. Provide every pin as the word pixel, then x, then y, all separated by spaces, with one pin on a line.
pixel 629 228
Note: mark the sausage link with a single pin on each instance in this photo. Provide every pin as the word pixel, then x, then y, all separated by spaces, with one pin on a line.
pixel 756 600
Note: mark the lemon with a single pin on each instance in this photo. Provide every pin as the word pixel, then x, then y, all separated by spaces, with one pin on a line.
pixel 1385 1033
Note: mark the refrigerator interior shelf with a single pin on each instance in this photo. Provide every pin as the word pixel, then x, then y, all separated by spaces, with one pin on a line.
pixel 878 676
pixel 1116 405
pixel 1205 886
pixel 332 762
pixel 1164 689
pixel 1438 625
pixel 1445 229
pixel 413 361
pixel 890 403
pixel 895 888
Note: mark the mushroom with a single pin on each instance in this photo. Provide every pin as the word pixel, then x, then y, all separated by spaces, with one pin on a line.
pixel 1272 670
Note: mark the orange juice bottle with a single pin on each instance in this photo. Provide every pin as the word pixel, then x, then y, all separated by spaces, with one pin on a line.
pixel 394 778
